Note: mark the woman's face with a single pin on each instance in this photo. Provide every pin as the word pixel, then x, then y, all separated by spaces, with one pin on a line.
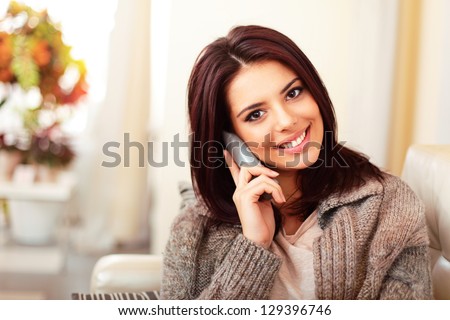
pixel 275 115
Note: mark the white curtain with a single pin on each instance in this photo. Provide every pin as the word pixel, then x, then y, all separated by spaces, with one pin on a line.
pixel 432 116
pixel 113 201
pixel 364 119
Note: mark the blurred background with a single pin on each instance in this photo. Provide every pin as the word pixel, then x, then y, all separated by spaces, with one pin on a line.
pixel 105 78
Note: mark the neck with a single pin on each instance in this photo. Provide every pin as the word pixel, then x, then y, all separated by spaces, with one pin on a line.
pixel 288 182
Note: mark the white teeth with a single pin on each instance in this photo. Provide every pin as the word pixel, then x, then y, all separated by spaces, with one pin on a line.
pixel 294 143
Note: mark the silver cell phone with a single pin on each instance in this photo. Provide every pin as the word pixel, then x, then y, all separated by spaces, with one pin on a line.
pixel 242 155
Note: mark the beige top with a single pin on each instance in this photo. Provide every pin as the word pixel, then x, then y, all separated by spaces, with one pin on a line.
pixel 295 280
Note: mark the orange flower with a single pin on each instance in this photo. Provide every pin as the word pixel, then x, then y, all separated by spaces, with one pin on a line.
pixel 42 54
pixel 34 55
pixel 78 91
pixel 5 49
pixel 6 74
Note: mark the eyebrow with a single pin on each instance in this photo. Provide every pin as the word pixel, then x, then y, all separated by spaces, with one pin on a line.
pixel 258 104
pixel 289 85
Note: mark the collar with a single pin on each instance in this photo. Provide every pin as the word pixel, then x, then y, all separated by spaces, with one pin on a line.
pixel 335 200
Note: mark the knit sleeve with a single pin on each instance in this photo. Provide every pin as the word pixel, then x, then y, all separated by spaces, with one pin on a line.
pixel 409 276
pixel 245 271
pixel 180 254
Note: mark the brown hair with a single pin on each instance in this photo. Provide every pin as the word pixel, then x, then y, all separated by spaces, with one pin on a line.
pixel 338 168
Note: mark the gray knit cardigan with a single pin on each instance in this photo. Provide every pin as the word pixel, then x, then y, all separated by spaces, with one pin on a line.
pixel 374 246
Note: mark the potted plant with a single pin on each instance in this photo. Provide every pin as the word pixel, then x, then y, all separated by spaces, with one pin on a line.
pixel 41 85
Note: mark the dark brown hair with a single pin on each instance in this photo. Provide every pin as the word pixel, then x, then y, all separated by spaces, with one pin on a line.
pixel 338 168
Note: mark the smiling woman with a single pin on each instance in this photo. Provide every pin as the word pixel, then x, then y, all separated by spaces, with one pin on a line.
pixel 336 226
pixel 285 112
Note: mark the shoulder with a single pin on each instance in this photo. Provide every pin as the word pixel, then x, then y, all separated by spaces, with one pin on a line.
pixel 389 196
pixel 192 216
pixel 195 219
pixel 192 211
pixel 394 193
pixel 195 237
pixel 187 233
pixel 394 186
pixel 398 216
pixel 388 188
pixel 400 206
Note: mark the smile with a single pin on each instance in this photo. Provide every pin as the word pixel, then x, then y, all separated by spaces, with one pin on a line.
pixel 294 143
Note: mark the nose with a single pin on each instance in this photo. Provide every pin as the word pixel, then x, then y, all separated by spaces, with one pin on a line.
pixel 285 119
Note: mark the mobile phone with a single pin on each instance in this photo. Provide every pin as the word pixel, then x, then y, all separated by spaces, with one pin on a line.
pixel 242 155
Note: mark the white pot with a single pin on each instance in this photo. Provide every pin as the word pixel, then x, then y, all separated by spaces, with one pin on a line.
pixel 47 174
pixel 35 222
pixel 24 174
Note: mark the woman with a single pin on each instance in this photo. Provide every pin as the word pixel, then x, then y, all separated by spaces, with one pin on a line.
pixel 336 227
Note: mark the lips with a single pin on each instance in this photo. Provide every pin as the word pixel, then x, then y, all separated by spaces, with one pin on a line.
pixel 292 143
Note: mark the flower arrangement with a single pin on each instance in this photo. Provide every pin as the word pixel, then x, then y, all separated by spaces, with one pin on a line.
pixel 40 84
pixel 51 151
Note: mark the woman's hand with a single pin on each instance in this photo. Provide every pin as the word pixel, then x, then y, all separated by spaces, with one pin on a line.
pixel 257 218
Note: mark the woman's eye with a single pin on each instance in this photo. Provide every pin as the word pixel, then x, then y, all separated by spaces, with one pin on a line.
pixel 294 93
pixel 255 115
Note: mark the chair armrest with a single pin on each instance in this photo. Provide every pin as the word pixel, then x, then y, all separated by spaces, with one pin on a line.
pixel 427 171
pixel 126 273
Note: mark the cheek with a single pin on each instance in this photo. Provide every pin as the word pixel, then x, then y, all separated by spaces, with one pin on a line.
pixel 312 114
pixel 259 152
pixel 258 142
pixel 253 135
pixel 266 155
pixel 309 111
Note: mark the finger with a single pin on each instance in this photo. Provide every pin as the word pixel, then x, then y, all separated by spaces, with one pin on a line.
pixel 265 184
pixel 261 170
pixel 278 196
pixel 246 174
pixel 234 168
pixel 255 191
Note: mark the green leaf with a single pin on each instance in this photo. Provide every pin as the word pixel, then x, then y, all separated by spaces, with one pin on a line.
pixel 31 120
pixel 26 71
pixel 2 102
pixel 23 65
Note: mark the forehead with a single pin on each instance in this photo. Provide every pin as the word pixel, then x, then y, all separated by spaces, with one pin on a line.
pixel 256 82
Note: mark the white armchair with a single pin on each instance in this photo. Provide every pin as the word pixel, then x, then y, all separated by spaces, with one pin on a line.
pixel 426 170
pixel 126 273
